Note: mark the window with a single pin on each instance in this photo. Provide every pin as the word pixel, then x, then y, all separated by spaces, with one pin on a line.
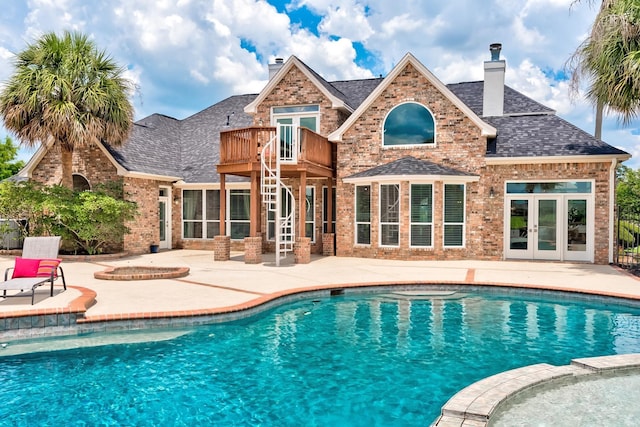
pixel 306 116
pixel 421 215
pixel 363 214
pixel 390 215
pixel 325 200
pixel 194 223
pixel 454 215
pixel 80 183
pixel 408 124
pixel 239 209
pixel 310 218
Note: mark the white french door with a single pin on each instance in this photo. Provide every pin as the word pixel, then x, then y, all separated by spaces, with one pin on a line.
pixel 549 227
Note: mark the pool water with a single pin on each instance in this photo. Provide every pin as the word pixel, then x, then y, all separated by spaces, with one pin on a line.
pixel 363 360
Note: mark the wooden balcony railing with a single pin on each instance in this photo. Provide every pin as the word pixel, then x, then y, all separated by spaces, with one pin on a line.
pixel 242 145
pixel 245 145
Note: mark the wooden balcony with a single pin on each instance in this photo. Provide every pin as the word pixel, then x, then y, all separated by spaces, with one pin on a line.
pixel 241 149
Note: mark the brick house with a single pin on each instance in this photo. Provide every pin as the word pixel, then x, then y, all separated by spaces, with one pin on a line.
pixel 401 167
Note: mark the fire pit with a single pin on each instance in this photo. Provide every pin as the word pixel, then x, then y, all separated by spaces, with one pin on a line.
pixel 141 273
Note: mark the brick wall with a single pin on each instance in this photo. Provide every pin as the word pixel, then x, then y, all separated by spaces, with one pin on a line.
pixel 91 163
pixel 459 145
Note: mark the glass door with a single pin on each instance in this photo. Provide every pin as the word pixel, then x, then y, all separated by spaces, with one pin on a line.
pixel 518 244
pixel 578 240
pixel 545 229
pixel 163 216
pixel 533 228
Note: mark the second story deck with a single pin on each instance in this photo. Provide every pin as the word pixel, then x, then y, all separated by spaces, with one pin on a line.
pixel 301 150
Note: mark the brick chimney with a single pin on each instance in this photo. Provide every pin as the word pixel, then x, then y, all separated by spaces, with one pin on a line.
pixel 274 68
pixel 493 97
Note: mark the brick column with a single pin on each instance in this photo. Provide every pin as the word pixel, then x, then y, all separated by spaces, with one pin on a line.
pixel 328 244
pixel 222 248
pixel 253 250
pixel 302 250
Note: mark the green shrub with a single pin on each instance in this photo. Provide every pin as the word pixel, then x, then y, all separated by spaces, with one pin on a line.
pixel 89 221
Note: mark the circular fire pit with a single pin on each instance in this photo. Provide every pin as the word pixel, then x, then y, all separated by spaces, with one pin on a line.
pixel 141 273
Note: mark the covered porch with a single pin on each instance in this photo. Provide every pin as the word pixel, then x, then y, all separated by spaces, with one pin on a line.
pixel 299 155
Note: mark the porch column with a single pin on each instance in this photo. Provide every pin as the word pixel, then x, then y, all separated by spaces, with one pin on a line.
pixel 302 247
pixel 223 205
pixel 302 203
pixel 222 242
pixel 254 214
pixel 330 205
pixel 253 244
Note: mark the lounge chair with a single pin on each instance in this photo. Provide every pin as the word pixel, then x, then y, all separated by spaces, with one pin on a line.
pixel 38 265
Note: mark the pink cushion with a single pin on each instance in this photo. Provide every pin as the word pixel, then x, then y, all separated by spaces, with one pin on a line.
pixel 45 267
pixel 25 267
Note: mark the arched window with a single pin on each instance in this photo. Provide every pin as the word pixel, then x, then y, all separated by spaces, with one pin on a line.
pixel 409 124
pixel 80 183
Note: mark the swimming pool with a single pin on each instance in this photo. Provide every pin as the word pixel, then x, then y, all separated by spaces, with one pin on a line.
pixel 352 360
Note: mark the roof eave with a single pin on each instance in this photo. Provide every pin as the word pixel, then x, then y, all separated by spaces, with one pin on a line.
pixel 412 178
pixel 556 159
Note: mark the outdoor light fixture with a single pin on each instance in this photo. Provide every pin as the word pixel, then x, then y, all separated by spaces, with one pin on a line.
pixel 492 193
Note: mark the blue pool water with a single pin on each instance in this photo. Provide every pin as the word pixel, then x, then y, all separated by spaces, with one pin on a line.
pixel 365 360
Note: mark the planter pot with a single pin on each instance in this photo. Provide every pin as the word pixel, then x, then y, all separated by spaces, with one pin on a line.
pixel 154 249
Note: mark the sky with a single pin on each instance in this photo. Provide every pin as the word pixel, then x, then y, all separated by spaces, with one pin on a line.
pixel 185 55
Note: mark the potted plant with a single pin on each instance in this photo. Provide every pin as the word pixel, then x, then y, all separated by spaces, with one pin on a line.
pixel 153 247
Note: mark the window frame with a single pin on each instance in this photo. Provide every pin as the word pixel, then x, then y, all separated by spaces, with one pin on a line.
pixel 413 223
pixel 203 221
pixel 355 217
pixel 312 212
pixel 446 224
pixel 401 146
pixel 386 224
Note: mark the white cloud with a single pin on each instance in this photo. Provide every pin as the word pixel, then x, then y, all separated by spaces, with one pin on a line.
pixel 349 22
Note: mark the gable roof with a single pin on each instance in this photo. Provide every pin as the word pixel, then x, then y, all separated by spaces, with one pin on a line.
pixel 410 168
pixel 164 148
pixel 337 98
pixel 486 129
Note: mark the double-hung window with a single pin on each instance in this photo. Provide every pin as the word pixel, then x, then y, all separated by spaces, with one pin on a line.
pixel 422 215
pixel 390 215
pixel 454 215
pixel 200 214
pixel 363 214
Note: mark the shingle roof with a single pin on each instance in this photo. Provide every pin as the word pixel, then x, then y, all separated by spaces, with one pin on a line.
pixel 151 148
pixel 409 166
pixel 471 93
pixel 543 135
pixel 189 148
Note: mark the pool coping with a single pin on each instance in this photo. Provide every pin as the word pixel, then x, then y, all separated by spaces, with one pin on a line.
pixel 474 405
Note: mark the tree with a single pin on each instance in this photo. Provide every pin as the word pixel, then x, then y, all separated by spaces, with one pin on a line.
pixel 8 153
pixel 65 90
pixel 628 191
pixel 608 60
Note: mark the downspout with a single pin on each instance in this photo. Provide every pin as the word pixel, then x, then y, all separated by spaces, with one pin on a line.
pixel 612 206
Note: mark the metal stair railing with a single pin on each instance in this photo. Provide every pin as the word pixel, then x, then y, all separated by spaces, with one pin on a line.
pixel 276 197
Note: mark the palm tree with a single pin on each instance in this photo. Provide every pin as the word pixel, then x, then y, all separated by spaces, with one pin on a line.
pixel 65 90
pixel 610 60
